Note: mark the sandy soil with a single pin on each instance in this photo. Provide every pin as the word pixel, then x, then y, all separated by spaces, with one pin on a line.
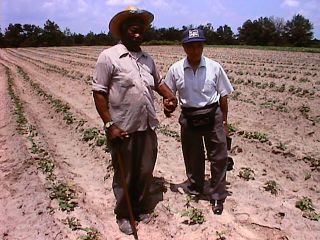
pixel 288 116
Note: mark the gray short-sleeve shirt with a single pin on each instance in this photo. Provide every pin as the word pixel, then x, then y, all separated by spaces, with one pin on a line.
pixel 128 79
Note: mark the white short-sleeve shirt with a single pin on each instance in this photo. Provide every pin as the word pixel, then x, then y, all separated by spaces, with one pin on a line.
pixel 201 88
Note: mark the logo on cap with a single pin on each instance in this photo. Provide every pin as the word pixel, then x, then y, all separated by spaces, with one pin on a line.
pixel 193 33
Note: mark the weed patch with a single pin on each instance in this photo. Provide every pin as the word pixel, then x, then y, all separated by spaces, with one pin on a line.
pixel 64 195
pixel 262 137
pixel 91 234
pixel 194 215
pixel 164 129
pixel 272 186
pixel 246 174
pixel 306 206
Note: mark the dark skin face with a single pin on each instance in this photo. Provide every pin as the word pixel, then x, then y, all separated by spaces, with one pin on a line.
pixel 194 52
pixel 132 34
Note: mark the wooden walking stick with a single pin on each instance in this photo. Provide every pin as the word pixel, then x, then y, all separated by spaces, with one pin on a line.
pixel 126 194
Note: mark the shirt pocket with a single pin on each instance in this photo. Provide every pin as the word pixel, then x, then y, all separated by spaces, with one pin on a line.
pixel 209 86
pixel 148 79
pixel 124 80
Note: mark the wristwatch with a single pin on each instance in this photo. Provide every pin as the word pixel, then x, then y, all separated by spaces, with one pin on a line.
pixel 108 124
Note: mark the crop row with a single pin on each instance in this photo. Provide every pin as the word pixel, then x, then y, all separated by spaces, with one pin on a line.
pixel 73 74
pixel 60 191
pixel 58 57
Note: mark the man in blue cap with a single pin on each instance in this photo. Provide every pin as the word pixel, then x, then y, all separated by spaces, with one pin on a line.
pixel 203 88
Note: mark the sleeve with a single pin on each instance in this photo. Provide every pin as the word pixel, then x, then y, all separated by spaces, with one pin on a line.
pixel 224 86
pixel 170 80
pixel 102 74
pixel 156 76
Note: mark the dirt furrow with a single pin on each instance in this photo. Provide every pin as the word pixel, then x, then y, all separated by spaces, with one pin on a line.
pixel 25 204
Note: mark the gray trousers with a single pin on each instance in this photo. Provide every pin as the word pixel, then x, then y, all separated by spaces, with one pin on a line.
pixel 214 141
pixel 139 153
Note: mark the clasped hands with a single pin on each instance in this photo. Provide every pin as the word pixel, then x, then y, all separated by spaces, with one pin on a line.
pixel 169 105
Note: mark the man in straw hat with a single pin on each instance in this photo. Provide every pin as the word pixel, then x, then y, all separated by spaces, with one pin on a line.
pixel 123 84
pixel 203 88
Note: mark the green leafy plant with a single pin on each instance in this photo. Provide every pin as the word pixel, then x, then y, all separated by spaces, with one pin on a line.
pixel 18 105
pixel 64 195
pixel 164 129
pixel 195 215
pixel 91 234
pixel 47 167
pixel 312 215
pixel 305 204
pixel 90 134
pixel 281 146
pixel 231 128
pixel 94 134
pixel 101 140
pixel 268 104
pixel 246 173
pixel 72 222
pixel 272 186
pixel 235 96
pixel 262 137
pixel 221 235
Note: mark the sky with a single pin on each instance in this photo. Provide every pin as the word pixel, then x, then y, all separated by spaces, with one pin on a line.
pixel 83 16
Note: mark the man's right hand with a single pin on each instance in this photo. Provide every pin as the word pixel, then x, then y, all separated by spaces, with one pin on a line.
pixel 115 132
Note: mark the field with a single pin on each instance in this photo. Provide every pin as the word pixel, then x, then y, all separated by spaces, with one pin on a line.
pixel 55 172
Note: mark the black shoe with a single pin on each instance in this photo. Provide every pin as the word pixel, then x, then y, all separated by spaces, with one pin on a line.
pixel 217 206
pixel 230 164
pixel 145 217
pixel 125 226
pixel 192 191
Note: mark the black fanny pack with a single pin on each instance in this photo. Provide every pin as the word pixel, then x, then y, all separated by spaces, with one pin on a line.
pixel 200 118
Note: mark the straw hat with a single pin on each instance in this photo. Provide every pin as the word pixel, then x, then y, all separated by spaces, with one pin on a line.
pixel 130 12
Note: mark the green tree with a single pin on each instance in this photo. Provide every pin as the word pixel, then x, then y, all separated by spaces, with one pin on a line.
pixel 52 35
pixel 31 35
pixel 267 31
pixel 225 35
pixel 248 33
pixel 259 32
pixel 78 38
pixel 211 35
pixel 279 24
pixel 68 39
pixel 1 39
pixel 13 35
pixel 299 31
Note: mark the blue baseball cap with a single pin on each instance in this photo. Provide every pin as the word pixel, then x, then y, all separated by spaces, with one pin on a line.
pixel 193 35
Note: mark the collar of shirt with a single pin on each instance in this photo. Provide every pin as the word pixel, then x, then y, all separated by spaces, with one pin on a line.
pixel 186 63
pixel 123 52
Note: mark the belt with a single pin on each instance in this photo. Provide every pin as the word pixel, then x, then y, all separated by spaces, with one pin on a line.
pixel 192 109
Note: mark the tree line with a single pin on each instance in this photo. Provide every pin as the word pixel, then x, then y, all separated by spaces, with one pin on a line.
pixel 265 31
